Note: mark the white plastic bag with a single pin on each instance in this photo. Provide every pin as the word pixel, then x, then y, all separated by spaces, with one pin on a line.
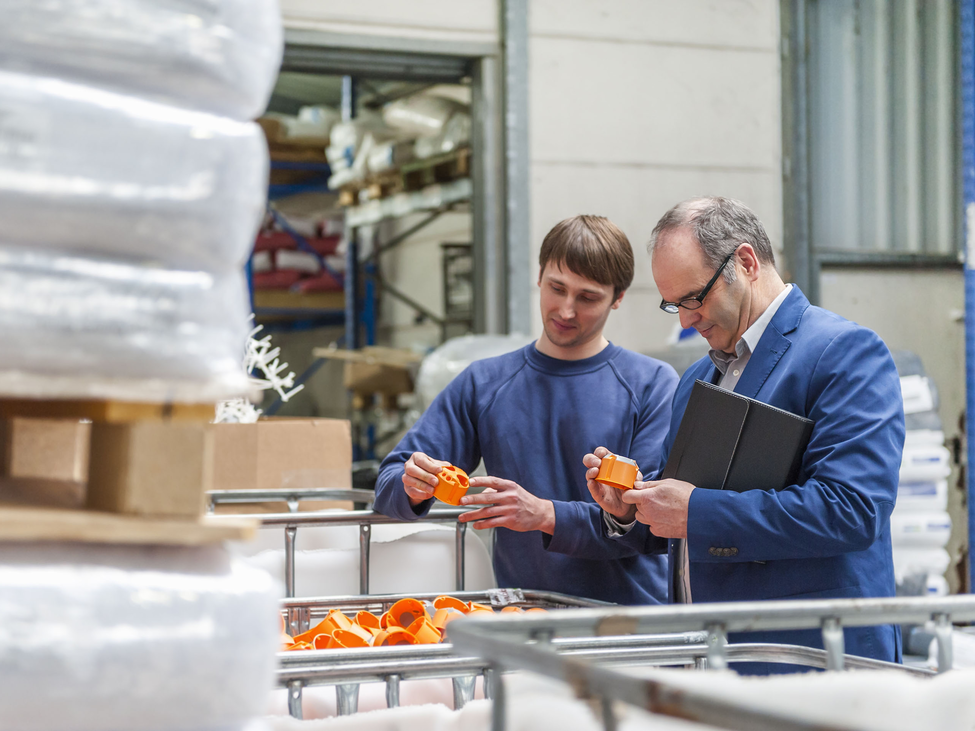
pixel 100 638
pixel 218 55
pixel 98 172
pixel 118 330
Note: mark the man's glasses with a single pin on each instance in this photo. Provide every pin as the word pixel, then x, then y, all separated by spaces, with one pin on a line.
pixel 693 303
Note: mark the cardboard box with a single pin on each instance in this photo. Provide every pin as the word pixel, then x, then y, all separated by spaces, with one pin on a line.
pixel 44 462
pixel 150 468
pixel 48 449
pixel 387 371
pixel 282 453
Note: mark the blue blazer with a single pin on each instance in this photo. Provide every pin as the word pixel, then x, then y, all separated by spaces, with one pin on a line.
pixel 829 534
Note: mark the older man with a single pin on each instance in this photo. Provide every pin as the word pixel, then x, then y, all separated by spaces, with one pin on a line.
pixel 826 536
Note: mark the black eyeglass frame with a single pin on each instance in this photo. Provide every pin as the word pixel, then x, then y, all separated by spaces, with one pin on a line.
pixel 695 302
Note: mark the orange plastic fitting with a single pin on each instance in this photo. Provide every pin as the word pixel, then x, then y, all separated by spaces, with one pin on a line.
pixel 424 631
pixel 616 471
pixel 449 602
pixel 404 613
pixel 393 636
pixel 452 486
pixel 347 638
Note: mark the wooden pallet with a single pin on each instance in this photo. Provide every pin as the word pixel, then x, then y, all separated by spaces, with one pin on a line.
pixel 39 524
pixel 409 177
pixel 102 411
pixel 149 467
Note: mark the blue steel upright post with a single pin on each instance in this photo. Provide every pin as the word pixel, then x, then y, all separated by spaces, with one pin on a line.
pixel 967 18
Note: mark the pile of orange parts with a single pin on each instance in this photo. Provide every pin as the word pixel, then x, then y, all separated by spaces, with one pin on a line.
pixel 408 622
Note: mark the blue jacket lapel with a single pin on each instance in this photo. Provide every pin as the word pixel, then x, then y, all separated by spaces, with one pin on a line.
pixel 773 344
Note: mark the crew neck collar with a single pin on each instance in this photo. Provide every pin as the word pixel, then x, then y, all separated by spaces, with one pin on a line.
pixel 559 367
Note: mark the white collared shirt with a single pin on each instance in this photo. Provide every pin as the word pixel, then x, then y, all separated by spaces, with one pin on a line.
pixel 732 366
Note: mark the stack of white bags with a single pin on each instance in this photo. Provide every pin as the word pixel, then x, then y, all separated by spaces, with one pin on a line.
pixel 131 188
pixel 920 525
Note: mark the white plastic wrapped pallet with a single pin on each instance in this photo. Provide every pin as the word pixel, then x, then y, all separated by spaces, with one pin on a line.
pixel 217 55
pixel 93 327
pixel 96 172
pixel 101 638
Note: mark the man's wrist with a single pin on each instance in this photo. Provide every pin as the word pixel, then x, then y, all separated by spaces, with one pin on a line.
pixel 548 517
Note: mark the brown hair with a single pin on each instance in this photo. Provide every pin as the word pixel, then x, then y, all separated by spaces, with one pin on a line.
pixel 592 247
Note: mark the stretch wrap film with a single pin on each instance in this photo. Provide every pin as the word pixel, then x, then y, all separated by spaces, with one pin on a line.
pixel 218 55
pixel 81 326
pixel 101 173
pixel 103 638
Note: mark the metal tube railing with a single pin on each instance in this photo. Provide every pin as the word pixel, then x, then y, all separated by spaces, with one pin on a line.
pixel 504 643
pixel 365 519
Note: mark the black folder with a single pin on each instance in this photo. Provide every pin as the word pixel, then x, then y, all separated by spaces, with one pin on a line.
pixel 727 441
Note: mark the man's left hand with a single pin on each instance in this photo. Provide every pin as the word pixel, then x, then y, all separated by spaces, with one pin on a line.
pixel 509 506
pixel 662 505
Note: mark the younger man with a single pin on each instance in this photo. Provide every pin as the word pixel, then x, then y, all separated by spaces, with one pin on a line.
pixel 532 414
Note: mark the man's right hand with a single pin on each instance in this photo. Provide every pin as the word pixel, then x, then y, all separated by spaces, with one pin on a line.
pixel 607 497
pixel 420 478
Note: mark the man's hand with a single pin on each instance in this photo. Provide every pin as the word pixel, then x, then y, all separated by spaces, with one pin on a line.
pixel 510 506
pixel 609 498
pixel 420 478
pixel 662 505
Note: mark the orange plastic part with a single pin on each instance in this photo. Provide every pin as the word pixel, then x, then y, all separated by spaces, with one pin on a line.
pixel 405 612
pixel 452 486
pixel 616 471
pixel 512 610
pixel 394 636
pixel 367 620
pixel 474 606
pixel 445 616
pixel 298 646
pixel 424 631
pixel 449 602
pixel 348 638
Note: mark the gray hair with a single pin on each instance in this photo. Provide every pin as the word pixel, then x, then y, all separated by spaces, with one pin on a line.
pixel 720 225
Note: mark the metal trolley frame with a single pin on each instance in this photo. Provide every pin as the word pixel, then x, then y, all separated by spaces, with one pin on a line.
pixel 365 519
pixel 533 643
pixel 347 669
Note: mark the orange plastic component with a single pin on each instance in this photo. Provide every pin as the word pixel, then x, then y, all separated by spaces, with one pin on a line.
pixel 449 602
pixel 322 642
pixel 384 620
pixel 445 616
pixel 405 612
pixel 322 628
pixel 424 631
pixel 616 471
pixel 338 620
pixel 298 646
pixel 367 620
pixel 348 638
pixel 512 610
pixel 393 636
pixel 536 610
pixel 453 485
pixel 483 607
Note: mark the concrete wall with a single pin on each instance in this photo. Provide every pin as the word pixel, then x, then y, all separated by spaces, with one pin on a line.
pixel 638 104
pixel 920 311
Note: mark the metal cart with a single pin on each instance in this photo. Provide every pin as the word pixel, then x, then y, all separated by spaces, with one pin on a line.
pixel 347 669
pixel 536 642
pixel 365 519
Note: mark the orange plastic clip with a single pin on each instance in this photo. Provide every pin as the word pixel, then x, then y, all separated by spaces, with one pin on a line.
pixel 616 471
pixel 453 485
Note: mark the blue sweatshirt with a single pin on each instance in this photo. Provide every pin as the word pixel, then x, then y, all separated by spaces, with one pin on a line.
pixel 532 418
